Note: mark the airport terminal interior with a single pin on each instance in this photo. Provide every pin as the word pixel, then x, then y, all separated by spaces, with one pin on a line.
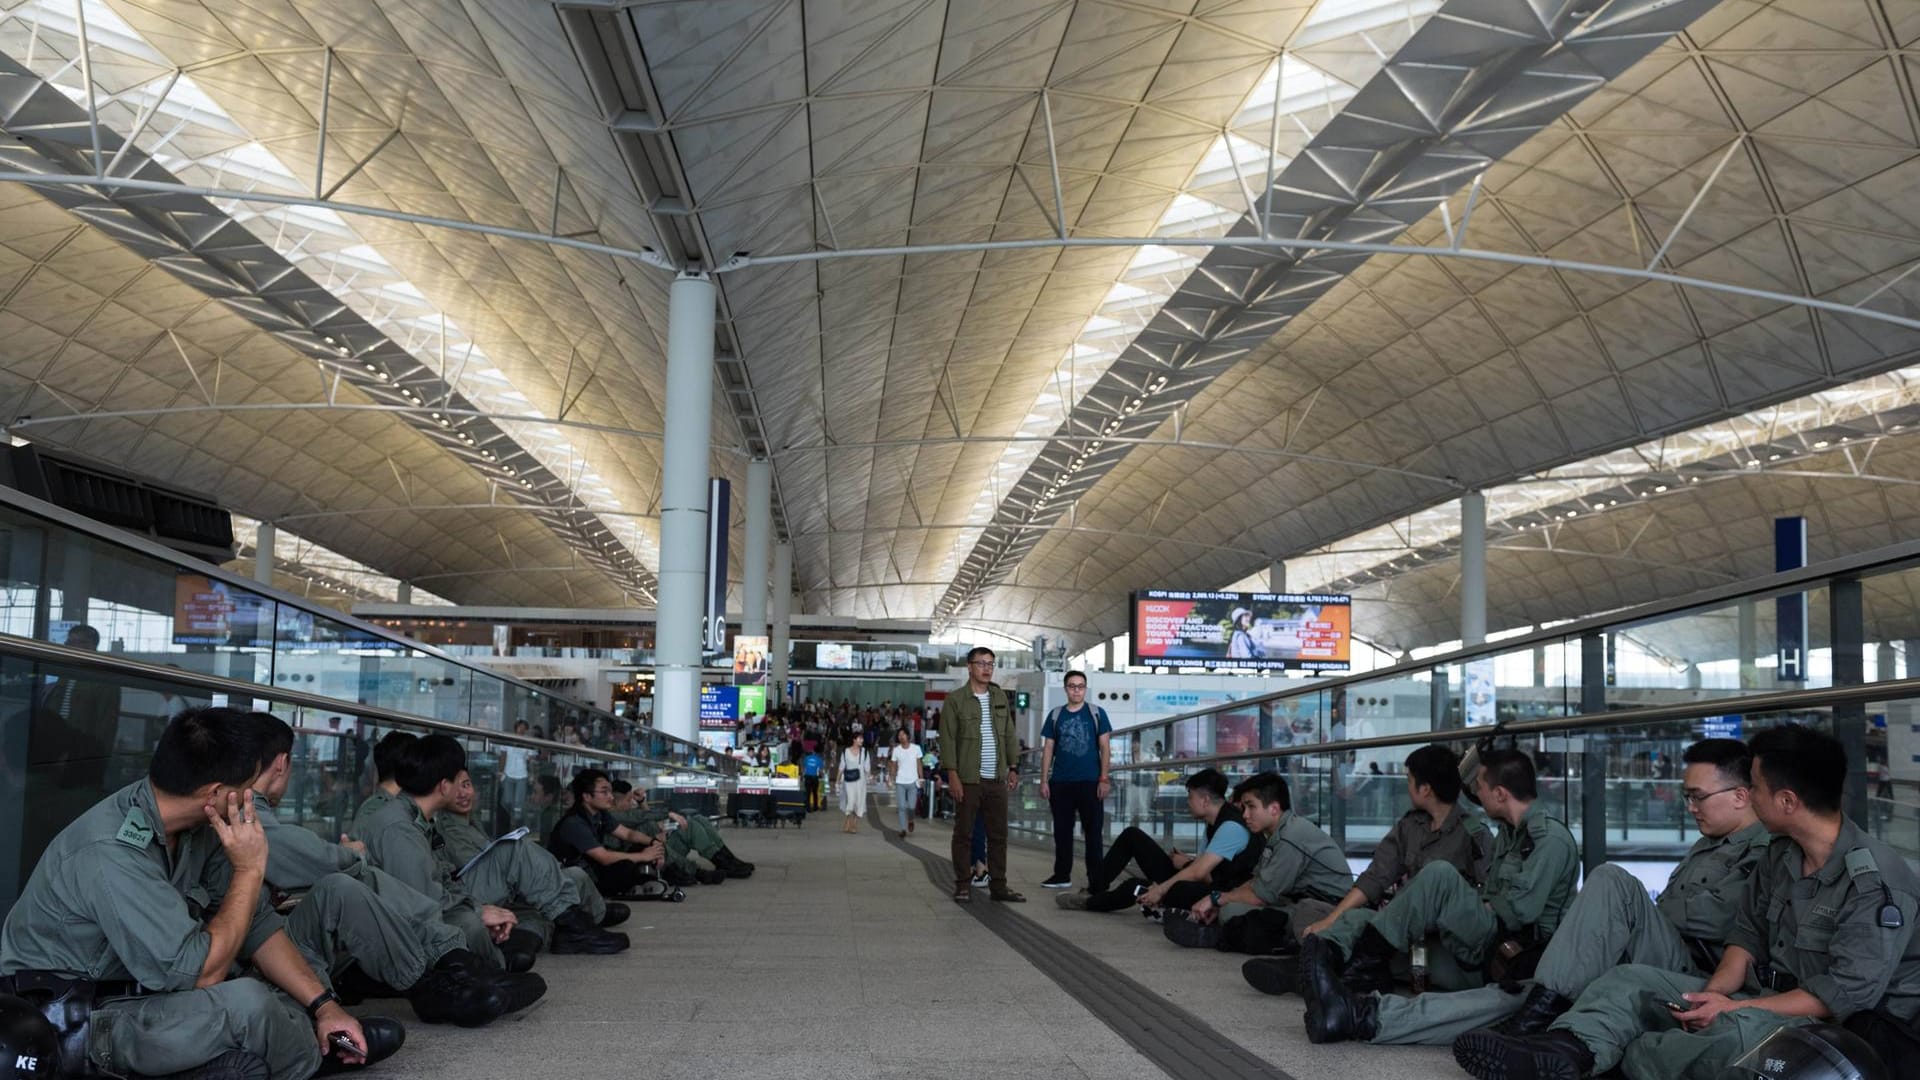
pixel 1383 537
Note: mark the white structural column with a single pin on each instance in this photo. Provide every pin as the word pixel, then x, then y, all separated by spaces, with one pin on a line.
pixel 263 539
pixel 1277 577
pixel 683 506
pixel 403 593
pixel 1473 568
pixel 782 618
pixel 753 577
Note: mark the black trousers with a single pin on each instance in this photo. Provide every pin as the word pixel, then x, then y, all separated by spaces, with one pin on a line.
pixel 1131 846
pixel 1180 897
pixel 813 793
pixel 618 878
pixel 1076 799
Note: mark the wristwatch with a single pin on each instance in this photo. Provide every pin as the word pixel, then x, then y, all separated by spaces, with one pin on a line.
pixel 1215 897
pixel 314 1006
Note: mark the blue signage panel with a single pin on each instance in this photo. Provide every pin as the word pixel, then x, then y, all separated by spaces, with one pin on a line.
pixel 1721 727
pixel 719 705
pixel 1790 612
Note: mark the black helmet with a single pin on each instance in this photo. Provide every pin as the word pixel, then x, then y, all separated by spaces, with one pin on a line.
pixel 1809 1052
pixel 29 1046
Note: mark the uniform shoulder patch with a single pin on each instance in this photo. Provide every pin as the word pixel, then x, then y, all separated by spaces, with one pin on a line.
pixel 1860 863
pixel 134 830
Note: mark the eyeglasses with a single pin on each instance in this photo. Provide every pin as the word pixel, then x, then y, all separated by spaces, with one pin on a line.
pixel 1695 798
pixel 1076 686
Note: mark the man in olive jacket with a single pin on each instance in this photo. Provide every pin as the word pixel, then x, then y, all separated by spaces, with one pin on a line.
pixel 981 752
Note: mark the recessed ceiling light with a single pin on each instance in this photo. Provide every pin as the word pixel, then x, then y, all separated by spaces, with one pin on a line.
pixel 1659 487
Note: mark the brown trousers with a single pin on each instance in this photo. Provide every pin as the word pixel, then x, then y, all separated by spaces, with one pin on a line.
pixel 987 797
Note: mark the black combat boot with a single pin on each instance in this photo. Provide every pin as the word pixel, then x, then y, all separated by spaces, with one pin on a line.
pixel 734 865
pixel 617 913
pixel 1272 974
pixel 453 991
pixel 1340 1014
pixel 575 932
pixel 1371 965
pixel 384 1037
pixel 520 949
pixel 710 877
pixel 1536 1013
pixel 1551 1055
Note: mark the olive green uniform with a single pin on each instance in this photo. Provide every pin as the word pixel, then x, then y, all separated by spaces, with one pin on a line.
pixel 1464 839
pixel 698 835
pixel 109 902
pixel 352 912
pixel 1611 922
pixel 404 843
pixel 1298 865
pixel 465 840
pixel 1824 929
pixel 1536 867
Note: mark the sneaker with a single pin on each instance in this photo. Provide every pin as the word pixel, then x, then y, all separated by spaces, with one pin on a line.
pixel 1188 934
pixel 980 881
pixel 1071 901
pixel 1057 882
pixel 1153 914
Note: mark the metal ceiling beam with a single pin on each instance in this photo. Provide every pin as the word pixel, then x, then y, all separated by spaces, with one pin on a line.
pixel 1250 244
pixel 198 242
pixel 1468 86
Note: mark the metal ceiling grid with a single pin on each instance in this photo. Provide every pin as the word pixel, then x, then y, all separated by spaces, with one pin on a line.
pixel 1640 552
pixel 1487 373
pixel 192 239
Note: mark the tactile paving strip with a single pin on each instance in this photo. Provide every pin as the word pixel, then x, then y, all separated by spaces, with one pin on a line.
pixel 1184 1046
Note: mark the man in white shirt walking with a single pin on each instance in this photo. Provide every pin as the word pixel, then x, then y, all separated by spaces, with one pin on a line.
pixel 904 767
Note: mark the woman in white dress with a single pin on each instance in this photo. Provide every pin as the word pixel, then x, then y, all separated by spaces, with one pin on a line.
pixel 853 783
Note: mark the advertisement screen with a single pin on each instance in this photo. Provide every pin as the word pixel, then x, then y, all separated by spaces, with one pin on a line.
pixel 834 656
pixel 209 612
pixel 750 660
pixel 1301 631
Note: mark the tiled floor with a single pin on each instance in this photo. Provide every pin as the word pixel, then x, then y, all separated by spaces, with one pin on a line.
pixel 839 959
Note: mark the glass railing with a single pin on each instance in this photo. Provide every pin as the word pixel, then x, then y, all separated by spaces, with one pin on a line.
pixel 80 725
pixel 1356 789
pixel 69 580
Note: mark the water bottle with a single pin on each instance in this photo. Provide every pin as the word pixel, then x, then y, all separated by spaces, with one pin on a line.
pixel 1420 967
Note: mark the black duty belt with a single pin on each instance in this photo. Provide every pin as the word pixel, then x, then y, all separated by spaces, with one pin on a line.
pixel 53 984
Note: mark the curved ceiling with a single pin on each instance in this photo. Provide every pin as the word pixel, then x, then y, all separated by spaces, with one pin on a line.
pixel 1770 145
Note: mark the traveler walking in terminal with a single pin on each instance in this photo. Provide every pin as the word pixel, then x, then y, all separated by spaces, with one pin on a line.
pixel 1824 928
pixel 853 782
pixel 904 765
pixel 1075 753
pixel 977 747
pixel 1510 917
pixel 811 765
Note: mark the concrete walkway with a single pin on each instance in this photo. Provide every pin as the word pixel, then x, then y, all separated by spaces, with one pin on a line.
pixel 839 959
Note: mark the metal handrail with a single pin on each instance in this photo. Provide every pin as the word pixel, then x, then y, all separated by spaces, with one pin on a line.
pixel 1753 588
pixel 15 499
pixel 47 652
pixel 1775 701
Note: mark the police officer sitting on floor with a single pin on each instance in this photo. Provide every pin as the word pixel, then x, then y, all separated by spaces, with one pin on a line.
pixel 364 932
pixel 143 907
pixel 1511 915
pixel 465 842
pixel 586 832
pixel 401 840
pixel 1613 921
pixel 1824 930
pixel 1298 864
pixel 1434 830
pixel 691 834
